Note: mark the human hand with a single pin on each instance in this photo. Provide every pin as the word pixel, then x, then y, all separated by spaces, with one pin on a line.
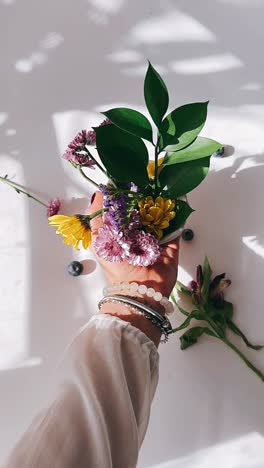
pixel 161 276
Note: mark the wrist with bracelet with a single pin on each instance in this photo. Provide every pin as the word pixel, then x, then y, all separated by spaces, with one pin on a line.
pixel 147 306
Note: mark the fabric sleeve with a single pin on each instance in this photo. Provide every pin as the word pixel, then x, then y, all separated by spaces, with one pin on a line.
pixel 101 411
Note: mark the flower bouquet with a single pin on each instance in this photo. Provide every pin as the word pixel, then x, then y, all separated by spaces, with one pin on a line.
pixel 142 199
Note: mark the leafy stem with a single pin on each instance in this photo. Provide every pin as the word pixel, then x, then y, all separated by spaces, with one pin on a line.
pixel 156 170
pixel 20 189
pixel 96 162
pixel 243 357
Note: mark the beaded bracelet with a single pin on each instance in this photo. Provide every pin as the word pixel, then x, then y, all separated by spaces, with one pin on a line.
pixel 143 290
pixel 161 322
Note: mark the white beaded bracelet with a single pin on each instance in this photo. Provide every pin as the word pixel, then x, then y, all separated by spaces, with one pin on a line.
pixel 143 290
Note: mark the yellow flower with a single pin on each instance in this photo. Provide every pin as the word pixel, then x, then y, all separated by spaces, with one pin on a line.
pixel 74 229
pixel 156 215
pixel 151 167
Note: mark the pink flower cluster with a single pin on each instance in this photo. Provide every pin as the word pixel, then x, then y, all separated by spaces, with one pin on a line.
pixel 77 151
pixel 137 247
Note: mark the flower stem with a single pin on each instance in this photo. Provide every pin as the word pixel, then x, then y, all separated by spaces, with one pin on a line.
pixel 246 361
pixel 156 170
pixel 97 213
pixel 19 189
pixel 96 162
pixel 88 178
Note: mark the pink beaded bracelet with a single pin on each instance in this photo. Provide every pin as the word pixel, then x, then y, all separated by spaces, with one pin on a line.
pixel 143 290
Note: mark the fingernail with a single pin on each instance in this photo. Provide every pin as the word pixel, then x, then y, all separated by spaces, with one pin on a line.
pixel 93 197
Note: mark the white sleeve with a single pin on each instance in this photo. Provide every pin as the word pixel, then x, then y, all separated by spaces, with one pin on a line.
pixel 100 414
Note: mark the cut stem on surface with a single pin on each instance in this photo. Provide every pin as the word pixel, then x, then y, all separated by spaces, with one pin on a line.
pixel 19 189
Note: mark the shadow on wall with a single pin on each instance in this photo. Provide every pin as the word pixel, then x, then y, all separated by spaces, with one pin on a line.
pixel 90 55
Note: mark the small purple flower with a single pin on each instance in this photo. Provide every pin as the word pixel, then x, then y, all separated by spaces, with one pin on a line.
pixel 79 142
pixel 110 244
pixel 116 204
pixel 92 135
pixel 134 221
pixel 53 207
pixel 133 187
pixel 76 151
pixel 144 249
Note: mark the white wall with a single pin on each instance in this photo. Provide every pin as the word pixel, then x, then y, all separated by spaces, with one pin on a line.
pixel 62 62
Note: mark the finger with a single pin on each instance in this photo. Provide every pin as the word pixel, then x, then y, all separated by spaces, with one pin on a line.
pixel 97 204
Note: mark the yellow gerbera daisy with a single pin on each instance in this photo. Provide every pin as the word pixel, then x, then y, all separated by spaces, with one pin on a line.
pixel 74 229
pixel 156 214
pixel 151 167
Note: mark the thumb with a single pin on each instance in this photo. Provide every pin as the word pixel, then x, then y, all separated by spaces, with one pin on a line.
pixel 96 204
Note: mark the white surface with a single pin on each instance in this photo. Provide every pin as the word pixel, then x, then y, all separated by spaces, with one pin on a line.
pixel 63 61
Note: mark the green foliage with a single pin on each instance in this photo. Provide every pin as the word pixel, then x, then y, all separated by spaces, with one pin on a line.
pixel 183 211
pixel 200 148
pixel 181 179
pixel 207 273
pixel 182 289
pixel 190 337
pixel 238 332
pixel 183 125
pixel 156 95
pixel 131 121
pixel 125 156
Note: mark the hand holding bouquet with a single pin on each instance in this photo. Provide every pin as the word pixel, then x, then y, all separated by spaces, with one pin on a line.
pixel 144 201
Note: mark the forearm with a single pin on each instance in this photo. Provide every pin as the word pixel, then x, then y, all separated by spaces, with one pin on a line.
pixel 100 416
pixel 136 318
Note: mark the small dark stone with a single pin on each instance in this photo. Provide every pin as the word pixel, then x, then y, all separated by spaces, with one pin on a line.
pixel 220 152
pixel 187 234
pixel 75 268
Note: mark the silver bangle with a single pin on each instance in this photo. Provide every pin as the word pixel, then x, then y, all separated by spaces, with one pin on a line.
pixel 162 322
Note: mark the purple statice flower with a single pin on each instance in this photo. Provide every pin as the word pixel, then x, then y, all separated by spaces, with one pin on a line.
pixel 133 187
pixel 116 204
pixel 110 244
pixel 134 221
pixel 76 151
pixel 92 135
pixel 53 207
pixel 144 249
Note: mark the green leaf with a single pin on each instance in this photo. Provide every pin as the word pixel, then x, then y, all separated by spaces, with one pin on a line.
pixel 238 332
pixel 190 337
pixel 131 121
pixel 194 314
pixel 181 179
pixel 207 273
pixel 182 125
pixel 182 289
pixel 183 311
pixel 156 95
pixel 125 156
pixel 200 148
pixel 227 310
pixel 183 211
